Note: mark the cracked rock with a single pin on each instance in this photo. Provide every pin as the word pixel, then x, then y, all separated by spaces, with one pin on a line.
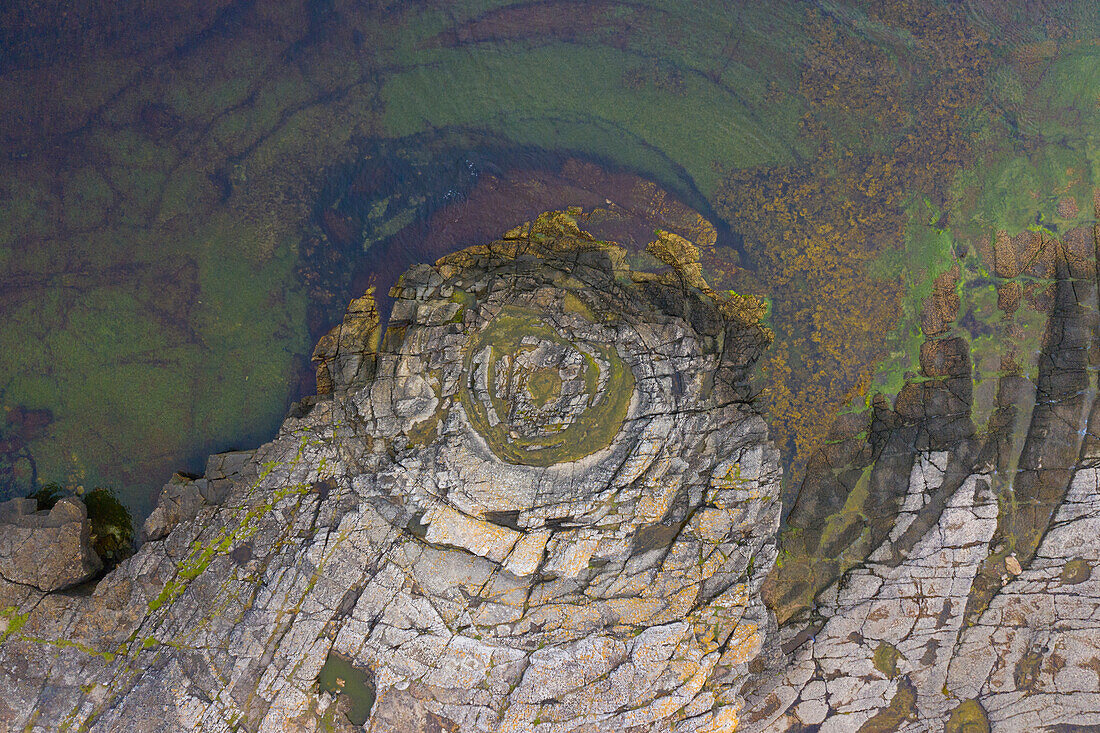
pixel 47 550
pixel 541 500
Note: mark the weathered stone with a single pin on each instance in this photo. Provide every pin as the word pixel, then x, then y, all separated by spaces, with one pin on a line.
pixel 48 550
pixel 180 500
pixel 542 502
pixel 977 609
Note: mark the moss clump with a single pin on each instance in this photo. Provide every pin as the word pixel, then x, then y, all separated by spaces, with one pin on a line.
pixel 11 621
pixel 112 526
pixel 968 717
pixel 886 659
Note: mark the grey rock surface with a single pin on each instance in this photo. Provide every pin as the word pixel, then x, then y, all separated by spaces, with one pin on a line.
pixel 960 596
pixel 541 501
pixel 46 550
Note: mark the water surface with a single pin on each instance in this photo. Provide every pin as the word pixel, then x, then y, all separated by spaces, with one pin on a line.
pixel 191 191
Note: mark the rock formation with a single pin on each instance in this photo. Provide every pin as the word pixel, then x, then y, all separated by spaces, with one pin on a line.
pixel 46 550
pixel 540 501
pixel 936 576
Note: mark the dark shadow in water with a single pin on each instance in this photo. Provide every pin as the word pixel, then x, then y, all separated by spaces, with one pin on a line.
pixel 416 199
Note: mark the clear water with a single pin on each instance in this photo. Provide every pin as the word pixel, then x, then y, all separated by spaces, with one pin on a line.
pixel 190 192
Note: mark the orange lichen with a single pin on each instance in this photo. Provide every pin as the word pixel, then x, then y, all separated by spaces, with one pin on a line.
pixel 815 228
pixel 725 721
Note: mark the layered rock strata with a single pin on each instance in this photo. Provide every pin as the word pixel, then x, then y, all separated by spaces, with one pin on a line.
pixel 540 501
pixel 941 577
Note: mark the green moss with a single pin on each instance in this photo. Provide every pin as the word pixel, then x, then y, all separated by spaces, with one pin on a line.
pixel 230 536
pixel 69 644
pixel 463 298
pixel 591 431
pixel 968 717
pixel 572 304
pixel 12 621
pixel 112 526
pixel 170 592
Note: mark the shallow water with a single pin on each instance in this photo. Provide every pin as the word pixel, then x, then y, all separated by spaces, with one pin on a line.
pixel 190 192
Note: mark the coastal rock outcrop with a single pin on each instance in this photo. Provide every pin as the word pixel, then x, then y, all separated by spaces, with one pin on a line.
pixel 46 550
pixel 539 501
pixel 938 576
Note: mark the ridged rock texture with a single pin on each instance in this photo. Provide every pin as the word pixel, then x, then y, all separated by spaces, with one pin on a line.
pixel 936 575
pixel 540 501
pixel 47 550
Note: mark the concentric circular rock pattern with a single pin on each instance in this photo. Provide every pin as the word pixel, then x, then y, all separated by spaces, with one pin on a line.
pixel 538 396
pixel 540 501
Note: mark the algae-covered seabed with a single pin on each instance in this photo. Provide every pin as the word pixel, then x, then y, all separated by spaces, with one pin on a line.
pixel 182 189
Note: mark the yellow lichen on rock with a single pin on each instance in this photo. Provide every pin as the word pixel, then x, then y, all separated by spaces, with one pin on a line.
pixel 725 721
pixel 447 526
pixel 355 338
pixel 525 556
pixel 683 257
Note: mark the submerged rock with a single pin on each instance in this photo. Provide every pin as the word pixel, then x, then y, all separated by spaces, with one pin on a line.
pixel 541 501
pixel 949 586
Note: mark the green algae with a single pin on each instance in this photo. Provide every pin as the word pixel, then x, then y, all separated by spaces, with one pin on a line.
pixel 591 431
pixel 927 252
pixel 543 385
pixel 886 659
pixel 1076 571
pixel 194 361
pixel 192 182
pixel 903 705
pixel 575 100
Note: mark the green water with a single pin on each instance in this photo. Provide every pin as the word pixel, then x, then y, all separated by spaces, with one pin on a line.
pixel 163 182
pixel 340 678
